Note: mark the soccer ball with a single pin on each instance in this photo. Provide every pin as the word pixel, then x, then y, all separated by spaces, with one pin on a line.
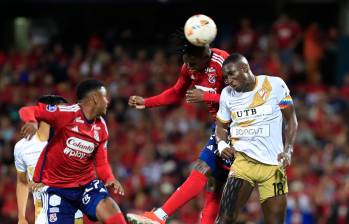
pixel 200 30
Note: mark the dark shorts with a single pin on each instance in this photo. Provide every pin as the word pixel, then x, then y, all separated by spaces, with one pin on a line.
pixel 60 204
pixel 209 154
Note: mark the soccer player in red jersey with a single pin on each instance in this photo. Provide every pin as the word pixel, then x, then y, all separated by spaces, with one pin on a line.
pixel 200 81
pixel 68 165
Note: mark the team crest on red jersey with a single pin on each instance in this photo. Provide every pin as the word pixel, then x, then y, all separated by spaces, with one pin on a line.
pixel 211 78
pixel 211 74
pixel 51 108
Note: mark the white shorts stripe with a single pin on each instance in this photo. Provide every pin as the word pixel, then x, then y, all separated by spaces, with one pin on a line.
pixel 44 197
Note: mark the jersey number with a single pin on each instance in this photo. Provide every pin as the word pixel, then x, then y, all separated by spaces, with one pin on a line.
pixel 278 189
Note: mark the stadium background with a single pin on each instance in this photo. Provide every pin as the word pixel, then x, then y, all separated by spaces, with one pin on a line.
pixel 47 46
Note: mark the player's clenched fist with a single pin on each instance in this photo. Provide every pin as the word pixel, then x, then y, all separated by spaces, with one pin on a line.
pixel 136 102
pixel 115 186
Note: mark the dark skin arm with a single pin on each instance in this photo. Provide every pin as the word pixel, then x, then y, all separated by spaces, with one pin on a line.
pixel 222 135
pixel 291 125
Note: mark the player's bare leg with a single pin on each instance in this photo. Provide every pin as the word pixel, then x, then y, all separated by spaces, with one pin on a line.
pixel 274 209
pixel 193 186
pixel 236 192
pixel 109 212
pixel 212 198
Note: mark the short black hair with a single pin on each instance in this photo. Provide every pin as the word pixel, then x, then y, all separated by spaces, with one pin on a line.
pixel 86 87
pixel 183 46
pixel 233 58
pixel 52 99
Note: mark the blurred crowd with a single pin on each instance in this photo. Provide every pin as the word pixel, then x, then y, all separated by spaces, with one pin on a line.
pixel 151 150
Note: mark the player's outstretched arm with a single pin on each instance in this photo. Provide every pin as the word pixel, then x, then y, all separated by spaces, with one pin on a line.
pixel 170 96
pixel 22 191
pixel 291 125
pixel 202 94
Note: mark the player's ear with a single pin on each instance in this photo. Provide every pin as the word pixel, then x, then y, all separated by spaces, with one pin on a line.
pixel 93 97
pixel 96 97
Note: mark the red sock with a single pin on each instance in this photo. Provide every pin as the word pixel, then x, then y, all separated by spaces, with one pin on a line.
pixel 211 208
pixel 116 219
pixel 194 184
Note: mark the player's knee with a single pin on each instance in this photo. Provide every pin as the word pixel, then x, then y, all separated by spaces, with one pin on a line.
pixel 106 208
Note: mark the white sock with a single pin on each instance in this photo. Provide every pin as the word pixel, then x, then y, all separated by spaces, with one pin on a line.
pixel 161 214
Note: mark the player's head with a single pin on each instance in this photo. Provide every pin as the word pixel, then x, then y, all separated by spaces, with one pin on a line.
pixel 197 58
pixel 52 100
pixel 237 72
pixel 94 93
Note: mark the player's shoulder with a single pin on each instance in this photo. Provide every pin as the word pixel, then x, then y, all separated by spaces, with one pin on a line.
pixel 69 108
pixel 275 80
pixel 219 53
pixel 217 58
pixel 21 146
pixel 227 91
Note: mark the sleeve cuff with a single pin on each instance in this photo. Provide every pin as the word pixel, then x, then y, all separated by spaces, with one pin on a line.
pixel 222 121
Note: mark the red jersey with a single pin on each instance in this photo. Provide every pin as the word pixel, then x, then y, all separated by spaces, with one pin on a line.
pixel 76 148
pixel 211 81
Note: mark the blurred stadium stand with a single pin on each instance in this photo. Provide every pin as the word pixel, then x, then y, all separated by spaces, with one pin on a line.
pixel 49 46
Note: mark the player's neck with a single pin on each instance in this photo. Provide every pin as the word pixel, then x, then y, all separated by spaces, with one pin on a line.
pixel 43 132
pixel 88 111
pixel 251 84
